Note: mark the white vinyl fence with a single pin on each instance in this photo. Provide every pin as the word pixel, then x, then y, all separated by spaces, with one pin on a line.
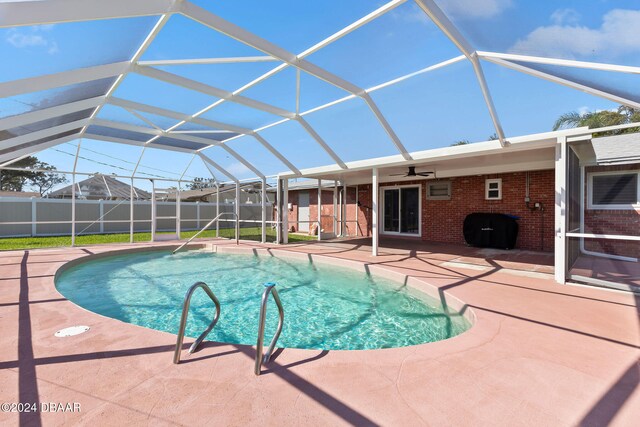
pixel 22 217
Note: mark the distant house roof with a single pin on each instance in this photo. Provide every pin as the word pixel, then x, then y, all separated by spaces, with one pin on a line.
pixel 99 187
pixel 618 149
pixel 250 192
pixel 19 194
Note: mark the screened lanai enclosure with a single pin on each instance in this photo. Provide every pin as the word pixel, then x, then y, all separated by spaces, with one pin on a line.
pixel 164 95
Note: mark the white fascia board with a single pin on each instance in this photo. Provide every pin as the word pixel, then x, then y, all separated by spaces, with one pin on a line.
pixel 44 133
pixel 561 62
pixel 521 143
pixel 49 113
pixel 565 82
pixel 65 78
pixel 210 90
pixel 20 13
pixel 207 160
pixel 36 148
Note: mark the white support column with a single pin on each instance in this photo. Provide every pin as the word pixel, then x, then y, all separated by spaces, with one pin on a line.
pixel 335 208
pixel 153 210
pixel 237 210
pixel 285 211
pixel 73 195
pixel 131 223
pixel 101 213
pixel 561 210
pixel 319 210
pixel 374 212
pixel 217 209
pixel 34 217
pixel 357 210
pixel 279 211
pixel 178 211
pixel 263 201
pixel 343 210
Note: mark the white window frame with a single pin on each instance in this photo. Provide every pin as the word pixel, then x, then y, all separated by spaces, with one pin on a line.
pixel 430 197
pixel 381 215
pixel 487 183
pixel 625 207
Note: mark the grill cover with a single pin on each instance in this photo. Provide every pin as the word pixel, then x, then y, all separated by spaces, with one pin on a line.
pixel 490 230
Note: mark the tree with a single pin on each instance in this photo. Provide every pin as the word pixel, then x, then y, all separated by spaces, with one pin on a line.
pixel 602 118
pixel 461 142
pixel 201 183
pixel 11 180
pixel 45 181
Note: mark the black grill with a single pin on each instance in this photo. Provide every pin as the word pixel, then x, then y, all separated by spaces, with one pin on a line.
pixel 489 230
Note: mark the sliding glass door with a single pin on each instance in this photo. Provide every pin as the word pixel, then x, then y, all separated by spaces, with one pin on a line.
pixel 401 210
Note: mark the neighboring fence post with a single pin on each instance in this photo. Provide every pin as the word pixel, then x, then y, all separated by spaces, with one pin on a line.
pixel 198 215
pixel 34 217
pixel 101 202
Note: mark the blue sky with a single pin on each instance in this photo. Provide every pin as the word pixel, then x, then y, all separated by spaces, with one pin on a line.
pixel 431 110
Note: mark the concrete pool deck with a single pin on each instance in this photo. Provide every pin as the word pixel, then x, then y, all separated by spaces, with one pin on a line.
pixel 539 354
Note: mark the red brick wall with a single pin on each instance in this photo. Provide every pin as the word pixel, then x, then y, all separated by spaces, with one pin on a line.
pixel 606 221
pixel 327 210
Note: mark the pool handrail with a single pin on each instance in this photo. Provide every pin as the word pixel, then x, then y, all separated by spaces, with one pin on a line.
pixel 260 359
pixel 185 314
pixel 217 218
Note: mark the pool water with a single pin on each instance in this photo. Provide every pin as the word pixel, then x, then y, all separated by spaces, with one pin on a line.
pixel 325 307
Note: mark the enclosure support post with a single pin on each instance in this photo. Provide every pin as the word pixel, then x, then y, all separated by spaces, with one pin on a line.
pixel 237 210
pixel 131 213
pixel 153 210
pixel 279 211
pixel 374 212
pixel 343 210
pixel 335 208
pixel 319 210
pixel 561 210
pixel 198 214
pixel 217 209
pixel 285 211
pixel 178 212
pixel 73 196
pixel 263 200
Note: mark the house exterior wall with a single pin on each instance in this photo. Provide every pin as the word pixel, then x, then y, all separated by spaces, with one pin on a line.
pixel 442 220
pixel 611 221
pixel 327 210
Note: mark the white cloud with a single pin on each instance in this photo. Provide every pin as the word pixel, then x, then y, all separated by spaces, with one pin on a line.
pixel 33 37
pixel 474 9
pixel 565 17
pixel 617 36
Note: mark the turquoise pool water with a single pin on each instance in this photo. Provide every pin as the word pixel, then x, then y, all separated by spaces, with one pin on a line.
pixel 326 307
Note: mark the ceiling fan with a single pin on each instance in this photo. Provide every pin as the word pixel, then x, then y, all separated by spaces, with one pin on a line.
pixel 412 172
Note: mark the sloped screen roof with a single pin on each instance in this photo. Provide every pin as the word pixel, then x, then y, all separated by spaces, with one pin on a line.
pixel 288 85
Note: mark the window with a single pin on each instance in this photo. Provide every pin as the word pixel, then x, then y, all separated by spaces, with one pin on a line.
pixel 493 189
pixel 616 190
pixel 439 190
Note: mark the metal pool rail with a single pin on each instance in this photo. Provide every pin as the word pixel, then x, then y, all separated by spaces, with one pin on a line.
pixel 260 359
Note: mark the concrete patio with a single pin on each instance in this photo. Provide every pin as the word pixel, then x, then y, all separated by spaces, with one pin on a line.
pixel 539 353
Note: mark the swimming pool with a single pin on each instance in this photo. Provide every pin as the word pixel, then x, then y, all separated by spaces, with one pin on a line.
pixel 326 307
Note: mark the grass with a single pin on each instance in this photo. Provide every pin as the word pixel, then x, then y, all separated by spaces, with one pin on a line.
pixel 249 233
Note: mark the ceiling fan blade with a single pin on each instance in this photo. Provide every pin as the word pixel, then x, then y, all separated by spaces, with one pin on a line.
pixel 397 174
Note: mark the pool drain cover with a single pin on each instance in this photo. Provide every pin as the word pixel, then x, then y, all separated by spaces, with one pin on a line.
pixel 71 331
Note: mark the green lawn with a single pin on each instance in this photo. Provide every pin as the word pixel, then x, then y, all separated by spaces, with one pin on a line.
pixel 249 233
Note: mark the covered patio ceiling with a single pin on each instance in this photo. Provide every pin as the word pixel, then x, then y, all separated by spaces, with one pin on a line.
pixel 80 100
